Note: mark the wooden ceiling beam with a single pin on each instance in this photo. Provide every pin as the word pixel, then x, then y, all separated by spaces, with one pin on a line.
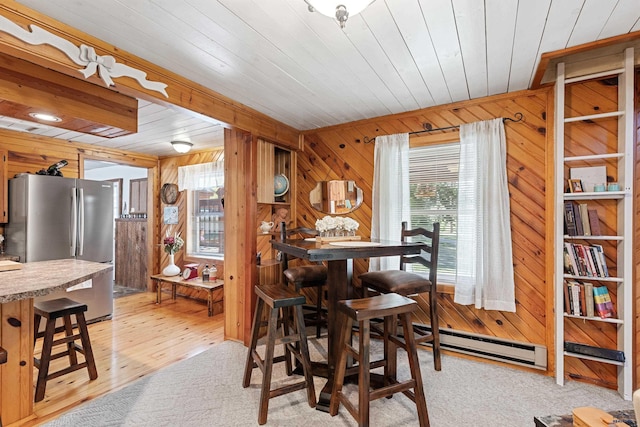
pixel 82 106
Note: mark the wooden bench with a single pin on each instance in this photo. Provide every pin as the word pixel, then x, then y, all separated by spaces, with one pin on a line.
pixel 197 283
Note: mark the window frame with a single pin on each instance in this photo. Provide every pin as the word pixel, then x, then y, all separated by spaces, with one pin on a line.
pixel 215 219
pixel 203 177
pixel 446 279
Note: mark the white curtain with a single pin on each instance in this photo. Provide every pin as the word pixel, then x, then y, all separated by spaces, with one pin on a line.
pixel 484 260
pixel 203 176
pixel 390 199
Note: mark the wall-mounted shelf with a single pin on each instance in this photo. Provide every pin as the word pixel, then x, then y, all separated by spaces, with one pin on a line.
pixel 272 160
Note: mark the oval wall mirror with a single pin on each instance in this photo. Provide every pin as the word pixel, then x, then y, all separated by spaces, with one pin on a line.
pixel 336 197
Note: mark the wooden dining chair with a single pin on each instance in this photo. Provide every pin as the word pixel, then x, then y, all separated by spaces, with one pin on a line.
pixel 413 283
pixel 306 276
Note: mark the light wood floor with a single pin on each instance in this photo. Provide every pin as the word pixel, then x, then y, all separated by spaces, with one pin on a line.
pixel 142 338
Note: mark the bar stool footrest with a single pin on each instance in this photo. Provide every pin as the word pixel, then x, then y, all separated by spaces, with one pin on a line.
pixel 280 391
pixel 397 387
pixel 67 370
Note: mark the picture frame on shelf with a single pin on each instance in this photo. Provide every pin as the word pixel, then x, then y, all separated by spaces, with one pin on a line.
pixel 590 176
pixel 575 186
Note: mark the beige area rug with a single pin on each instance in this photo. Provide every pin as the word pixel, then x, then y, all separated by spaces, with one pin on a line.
pixel 206 390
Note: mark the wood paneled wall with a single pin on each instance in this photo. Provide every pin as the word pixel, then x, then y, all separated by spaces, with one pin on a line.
pixel 240 172
pixel 340 152
pixel 29 153
pixel 169 174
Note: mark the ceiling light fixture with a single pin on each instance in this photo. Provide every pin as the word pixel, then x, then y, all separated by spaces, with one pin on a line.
pixel 340 9
pixel 45 117
pixel 181 146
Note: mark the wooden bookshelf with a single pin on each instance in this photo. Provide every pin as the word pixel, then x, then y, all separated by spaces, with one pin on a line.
pixel 612 148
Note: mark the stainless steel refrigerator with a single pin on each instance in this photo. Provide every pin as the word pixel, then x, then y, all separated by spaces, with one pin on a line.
pixel 51 217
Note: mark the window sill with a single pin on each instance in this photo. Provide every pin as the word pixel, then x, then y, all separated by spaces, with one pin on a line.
pixel 190 258
pixel 446 288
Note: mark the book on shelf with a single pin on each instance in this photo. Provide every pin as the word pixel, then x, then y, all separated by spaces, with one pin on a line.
pixel 570 218
pixel 592 257
pixel 567 260
pixel 580 220
pixel 601 259
pixel 567 298
pixel 589 350
pixel 584 219
pixel 571 260
pixel 594 222
pixel 589 302
pixel 585 260
pixel 579 298
pixel 602 301
pixel 583 300
pixel 576 298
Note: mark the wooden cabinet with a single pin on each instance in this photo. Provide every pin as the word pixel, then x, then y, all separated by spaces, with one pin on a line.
pixel 274 204
pixel 131 253
pixel 596 137
pixel 138 195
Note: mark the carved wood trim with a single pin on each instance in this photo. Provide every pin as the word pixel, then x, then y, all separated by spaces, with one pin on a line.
pixel 181 91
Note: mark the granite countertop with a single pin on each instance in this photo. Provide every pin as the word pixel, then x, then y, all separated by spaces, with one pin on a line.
pixel 43 277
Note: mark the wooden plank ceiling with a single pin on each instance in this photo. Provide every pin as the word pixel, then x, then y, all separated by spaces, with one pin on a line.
pixel 300 68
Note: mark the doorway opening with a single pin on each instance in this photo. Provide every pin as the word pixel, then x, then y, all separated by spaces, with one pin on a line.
pixel 130 232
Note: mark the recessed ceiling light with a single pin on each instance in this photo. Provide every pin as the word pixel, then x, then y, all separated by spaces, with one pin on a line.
pixel 100 129
pixel 45 117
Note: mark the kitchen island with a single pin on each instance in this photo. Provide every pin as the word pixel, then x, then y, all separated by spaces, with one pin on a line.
pixel 17 290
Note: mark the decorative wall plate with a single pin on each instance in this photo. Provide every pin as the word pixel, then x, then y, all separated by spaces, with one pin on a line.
pixel 169 193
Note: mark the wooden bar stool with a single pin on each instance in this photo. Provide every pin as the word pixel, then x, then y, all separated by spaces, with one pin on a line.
pixel 306 276
pixel 390 306
pixel 279 298
pixel 52 310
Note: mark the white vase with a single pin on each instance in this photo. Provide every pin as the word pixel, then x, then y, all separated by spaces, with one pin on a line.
pixel 172 269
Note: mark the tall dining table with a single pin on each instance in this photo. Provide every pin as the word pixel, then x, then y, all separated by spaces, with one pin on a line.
pixel 339 256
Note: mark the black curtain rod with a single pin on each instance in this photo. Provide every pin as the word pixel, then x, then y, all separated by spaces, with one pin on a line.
pixel 427 127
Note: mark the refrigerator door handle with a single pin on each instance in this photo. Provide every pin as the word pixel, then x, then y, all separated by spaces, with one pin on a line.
pixel 74 221
pixel 81 225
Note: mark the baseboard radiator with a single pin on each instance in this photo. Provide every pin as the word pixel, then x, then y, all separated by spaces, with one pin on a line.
pixel 503 350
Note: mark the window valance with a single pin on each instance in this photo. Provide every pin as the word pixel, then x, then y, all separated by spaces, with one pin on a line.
pixel 203 176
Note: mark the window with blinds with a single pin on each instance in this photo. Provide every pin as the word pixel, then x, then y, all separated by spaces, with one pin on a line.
pixel 433 183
